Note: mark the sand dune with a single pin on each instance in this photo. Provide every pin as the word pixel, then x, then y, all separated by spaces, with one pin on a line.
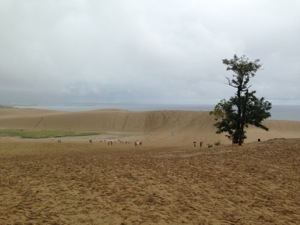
pixel 152 126
pixel 101 120
pixel 165 181
pixel 81 183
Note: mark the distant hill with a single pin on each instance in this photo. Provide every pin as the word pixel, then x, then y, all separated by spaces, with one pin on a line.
pixel 162 126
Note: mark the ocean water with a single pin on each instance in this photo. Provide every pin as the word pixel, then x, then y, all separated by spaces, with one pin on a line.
pixel 285 112
pixel 278 112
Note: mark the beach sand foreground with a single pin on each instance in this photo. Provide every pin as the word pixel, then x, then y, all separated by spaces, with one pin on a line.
pixel 81 183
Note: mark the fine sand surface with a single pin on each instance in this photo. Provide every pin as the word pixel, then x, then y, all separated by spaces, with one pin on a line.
pixel 81 183
pixel 166 180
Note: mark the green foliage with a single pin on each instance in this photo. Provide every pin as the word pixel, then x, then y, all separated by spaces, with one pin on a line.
pixel 217 143
pixel 243 109
pixel 36 134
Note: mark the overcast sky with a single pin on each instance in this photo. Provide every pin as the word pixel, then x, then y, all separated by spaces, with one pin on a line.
pixel 170 51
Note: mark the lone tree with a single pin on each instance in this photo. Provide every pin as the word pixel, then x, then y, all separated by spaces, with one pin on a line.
pixel 243 109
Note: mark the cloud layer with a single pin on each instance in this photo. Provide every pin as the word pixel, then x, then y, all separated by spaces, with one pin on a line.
pixel 144 51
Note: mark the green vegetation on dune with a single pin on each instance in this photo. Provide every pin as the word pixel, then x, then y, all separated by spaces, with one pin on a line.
pixel 36 134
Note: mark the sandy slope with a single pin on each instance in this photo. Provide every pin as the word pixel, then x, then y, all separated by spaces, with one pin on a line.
pixel 164 181
pixel 81 183
pixel 156 126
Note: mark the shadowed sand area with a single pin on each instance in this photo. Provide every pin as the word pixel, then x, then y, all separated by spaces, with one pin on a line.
pixel 164 181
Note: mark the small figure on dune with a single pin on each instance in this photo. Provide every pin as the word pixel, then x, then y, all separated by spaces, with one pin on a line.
pixel 201 144
pixel 91 141
pixel 136 143
pixel 194 143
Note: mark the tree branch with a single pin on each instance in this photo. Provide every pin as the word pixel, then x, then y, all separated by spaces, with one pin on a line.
pixel 230 83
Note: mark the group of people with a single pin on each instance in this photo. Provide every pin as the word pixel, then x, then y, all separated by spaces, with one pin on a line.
pixel 195 144
pixel 109 142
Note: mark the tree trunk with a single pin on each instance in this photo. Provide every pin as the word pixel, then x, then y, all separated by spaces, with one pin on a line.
pixel 237 133
pixel 244 110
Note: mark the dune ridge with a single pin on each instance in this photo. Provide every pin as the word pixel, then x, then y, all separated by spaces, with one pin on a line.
pixel 188 126
pixel 100 120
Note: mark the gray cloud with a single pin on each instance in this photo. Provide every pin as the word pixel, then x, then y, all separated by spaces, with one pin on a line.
pixel 160 51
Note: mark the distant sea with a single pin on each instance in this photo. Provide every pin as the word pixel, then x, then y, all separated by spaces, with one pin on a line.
pixel 279 112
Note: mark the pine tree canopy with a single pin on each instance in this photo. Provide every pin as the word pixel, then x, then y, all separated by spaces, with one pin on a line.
pixel 244 108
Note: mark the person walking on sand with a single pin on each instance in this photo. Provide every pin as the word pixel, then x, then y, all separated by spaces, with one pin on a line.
pixel 136 143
